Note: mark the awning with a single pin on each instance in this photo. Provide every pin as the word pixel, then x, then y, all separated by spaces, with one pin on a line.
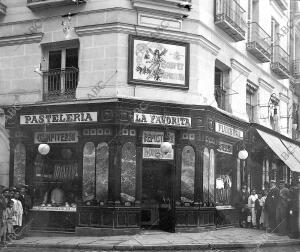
pixel 288 152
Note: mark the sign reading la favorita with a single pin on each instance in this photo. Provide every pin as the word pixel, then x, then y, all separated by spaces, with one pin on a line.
pixel 178 121
pixel 77 117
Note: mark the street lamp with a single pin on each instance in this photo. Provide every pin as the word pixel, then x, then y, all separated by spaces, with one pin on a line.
pixel 166 146
pixel 243 154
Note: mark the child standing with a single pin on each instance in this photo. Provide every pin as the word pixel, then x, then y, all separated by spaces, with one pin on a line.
pixel 251 205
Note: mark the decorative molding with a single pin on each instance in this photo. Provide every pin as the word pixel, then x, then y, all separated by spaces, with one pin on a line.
pixel 163 7
pixel 49 3
pixel 159 22
pixel 265 85
pixel 284 98
pixel 147 31
pixel 240 67
pixel 251 86
pixel 2 9
pixel 21 39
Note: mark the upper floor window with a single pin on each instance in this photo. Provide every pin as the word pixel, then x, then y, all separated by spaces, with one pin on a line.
pixel 251 101
pixel 220 91
pixel 61 78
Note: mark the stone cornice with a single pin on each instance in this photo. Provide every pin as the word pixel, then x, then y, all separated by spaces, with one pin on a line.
pixel 21 39
pixel 240 67
pixel 284 98
pixel 147 31
pixel 265 85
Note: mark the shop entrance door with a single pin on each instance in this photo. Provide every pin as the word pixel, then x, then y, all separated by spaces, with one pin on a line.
pixel 156 195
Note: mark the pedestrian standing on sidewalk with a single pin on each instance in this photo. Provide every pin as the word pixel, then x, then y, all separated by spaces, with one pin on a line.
pixel 251 205
pixel 2 209
pixel 282 209
pixel 264 215
pixel 241 205
pixel 258 209
pixel 293 210
pixel 271 205
pixel 18 211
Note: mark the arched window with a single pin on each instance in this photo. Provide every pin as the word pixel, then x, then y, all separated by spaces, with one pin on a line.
pixel 102 164
pixel 88 180
pixel 128 172
pixel 205 174
pixel 19 164
pixel 188 174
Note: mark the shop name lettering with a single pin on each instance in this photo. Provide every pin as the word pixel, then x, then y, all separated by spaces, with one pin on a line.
pixel 59 118
pixel 56 137
pixel 226 130
pixel 162 120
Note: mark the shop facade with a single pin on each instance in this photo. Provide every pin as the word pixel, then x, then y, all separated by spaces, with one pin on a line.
pixel 105 171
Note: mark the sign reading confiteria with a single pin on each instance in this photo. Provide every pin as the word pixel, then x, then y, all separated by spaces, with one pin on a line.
pixel 77 117
pixel 156 137
pixel 229 131
pixel 179 121
pixel 56 137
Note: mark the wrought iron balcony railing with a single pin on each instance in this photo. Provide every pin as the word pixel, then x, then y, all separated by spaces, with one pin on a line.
pixel 259 42
pixel 230 17
pixel 296 69
pixel 283 4
pixel 280 62
pixel 60 84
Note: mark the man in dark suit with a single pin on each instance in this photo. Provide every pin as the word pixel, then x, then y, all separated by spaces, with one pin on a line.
pixel 271 205
pixel 241 205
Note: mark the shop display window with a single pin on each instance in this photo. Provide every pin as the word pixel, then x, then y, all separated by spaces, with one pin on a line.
pixel 224 176
pixel 56 180
pixel 102 167
pixel 88 178
pixel 187 175
pixel 205 175
pixel 19 164
pixel 211 180
pixel 128 173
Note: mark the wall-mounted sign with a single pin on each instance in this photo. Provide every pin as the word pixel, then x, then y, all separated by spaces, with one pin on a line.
pixel 177 121
pixel 225 147
pixel 77 117
pixel 156 137
pixel 228 130
pixel 155 153
pixel 56 137
pixel 158 62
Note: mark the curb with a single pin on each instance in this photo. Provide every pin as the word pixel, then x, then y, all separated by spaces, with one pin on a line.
pixel 168 247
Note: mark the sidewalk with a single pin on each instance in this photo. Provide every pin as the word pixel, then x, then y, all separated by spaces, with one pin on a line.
pixel 158 240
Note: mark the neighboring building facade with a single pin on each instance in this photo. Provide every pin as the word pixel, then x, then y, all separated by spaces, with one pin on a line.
pixel 103 82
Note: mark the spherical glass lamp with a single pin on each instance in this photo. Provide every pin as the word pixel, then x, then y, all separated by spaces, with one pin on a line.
pixel 166 147
pixel 243 154
pixel 44 149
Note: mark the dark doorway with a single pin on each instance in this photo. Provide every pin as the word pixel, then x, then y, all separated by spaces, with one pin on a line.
pixel 157 195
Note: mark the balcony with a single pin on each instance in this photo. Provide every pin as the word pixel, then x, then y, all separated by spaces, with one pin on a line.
pixel 36 4
pixel 259 42
pixel 2 9
pixel 280 62
pixel 220 94
pixel 60 84
pixel 282 4
pixel 230 17
pixel 296 69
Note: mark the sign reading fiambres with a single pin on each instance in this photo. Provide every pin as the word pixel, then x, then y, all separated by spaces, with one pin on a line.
pixel 177 121
pixel 77 117
pixel 228 130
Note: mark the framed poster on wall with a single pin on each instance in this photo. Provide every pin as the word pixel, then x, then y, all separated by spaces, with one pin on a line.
pixel 158 62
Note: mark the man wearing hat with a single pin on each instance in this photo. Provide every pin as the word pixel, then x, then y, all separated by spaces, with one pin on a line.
pixel 282 208
pixel 271 205
pixel 2 207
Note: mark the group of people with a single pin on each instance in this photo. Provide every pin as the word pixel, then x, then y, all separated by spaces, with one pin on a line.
pixel 274 209
pixel 14 206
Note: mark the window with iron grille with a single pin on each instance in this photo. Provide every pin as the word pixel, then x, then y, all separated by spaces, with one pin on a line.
pixel 220 91
pixel 61 79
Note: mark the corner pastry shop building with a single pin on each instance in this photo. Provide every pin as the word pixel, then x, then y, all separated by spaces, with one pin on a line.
pixel 105 172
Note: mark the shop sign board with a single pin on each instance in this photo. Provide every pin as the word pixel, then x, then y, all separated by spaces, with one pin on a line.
pixel 76 117
pixel 156 137
pixel 166 120
pixel 56 137
pixel 225 147
pixel 228 130
pixel 158 62
pixel 155 153
pixel 54 209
